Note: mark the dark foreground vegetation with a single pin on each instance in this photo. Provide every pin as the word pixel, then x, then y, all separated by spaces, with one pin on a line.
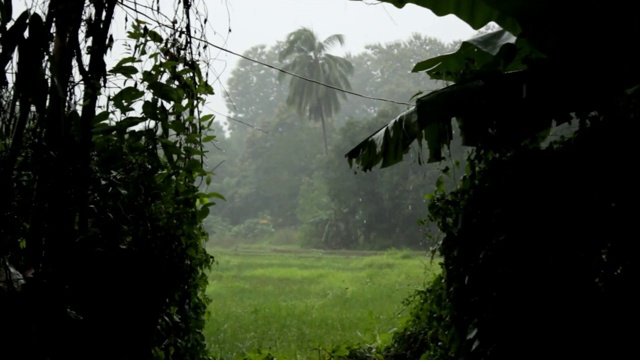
pixel 524 201
pixel 101 253
pixel 104 176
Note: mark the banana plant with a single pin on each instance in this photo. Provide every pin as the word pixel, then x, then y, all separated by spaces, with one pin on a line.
pixel 510 85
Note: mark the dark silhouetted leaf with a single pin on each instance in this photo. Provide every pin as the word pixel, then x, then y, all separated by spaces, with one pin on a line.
pixel 476 13
pixel 163 91
pixel 126 70
pixel 155 37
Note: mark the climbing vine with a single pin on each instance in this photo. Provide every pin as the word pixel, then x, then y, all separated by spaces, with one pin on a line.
pixel 104 186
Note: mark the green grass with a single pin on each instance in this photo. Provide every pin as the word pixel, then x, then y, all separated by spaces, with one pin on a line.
pixel 293 302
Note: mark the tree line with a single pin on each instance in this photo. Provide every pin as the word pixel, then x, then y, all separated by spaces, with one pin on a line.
pixel 282 167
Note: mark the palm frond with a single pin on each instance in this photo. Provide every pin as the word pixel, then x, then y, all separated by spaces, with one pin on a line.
pixel 301 41
pixel 307 57
pixel 332 41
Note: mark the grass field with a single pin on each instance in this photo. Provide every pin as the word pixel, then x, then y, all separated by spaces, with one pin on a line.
pixel 293 303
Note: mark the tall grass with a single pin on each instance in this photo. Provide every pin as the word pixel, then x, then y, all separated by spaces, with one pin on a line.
pixel 295 303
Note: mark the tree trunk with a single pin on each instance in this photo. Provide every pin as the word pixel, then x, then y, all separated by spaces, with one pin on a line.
pixel 324 128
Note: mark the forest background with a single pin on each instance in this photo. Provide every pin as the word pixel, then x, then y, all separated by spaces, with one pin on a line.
pixel 281 187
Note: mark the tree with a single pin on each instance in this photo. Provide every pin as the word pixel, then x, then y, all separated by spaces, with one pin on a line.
pixel 101 236
pixel 489 71
pixel 527 262
pixel 381 70
pixel 254 93
pixel 309 58
pixel 354 211
pixel 269 173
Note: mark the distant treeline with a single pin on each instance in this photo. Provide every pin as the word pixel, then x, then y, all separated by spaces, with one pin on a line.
pixel 280 185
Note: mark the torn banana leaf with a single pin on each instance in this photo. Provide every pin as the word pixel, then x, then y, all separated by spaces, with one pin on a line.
pixel 431 118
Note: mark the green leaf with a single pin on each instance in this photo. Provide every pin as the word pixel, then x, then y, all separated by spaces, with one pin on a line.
pixel 134 35
pixel 194 165
pixel 206 118
pixel 388 144
pixel 177 126
pixel 125 97
pixel 128 60
pixel 437 134
pixel 472 55
pixel 215 195
pixel 126 70
pixel 163 91
pixel 192 139
pixel 169 64
pixel 191 151
pixel 169 147
pixel 203 212
pixel 100 117
pixel 130 121
pixel 150 110
pixel 150 76
pixel 102 129
pixel 432 115
pixel 204 88
pixel 154 36
pixel 129 94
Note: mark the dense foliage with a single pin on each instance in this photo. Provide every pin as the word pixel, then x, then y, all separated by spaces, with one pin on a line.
pixel 538 260
pixel 101 242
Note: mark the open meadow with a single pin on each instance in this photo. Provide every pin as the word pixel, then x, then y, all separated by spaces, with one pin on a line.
pixel 297 304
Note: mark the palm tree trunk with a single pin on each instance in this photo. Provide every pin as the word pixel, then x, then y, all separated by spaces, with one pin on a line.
pixel 324 134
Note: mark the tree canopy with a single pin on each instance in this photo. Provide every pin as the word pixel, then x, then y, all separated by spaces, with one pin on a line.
pixel 535 260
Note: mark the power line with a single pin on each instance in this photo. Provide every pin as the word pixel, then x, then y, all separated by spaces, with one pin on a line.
pixel 239 121
pixel 301 77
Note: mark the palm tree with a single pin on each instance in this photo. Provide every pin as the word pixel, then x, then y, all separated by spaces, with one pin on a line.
pixel 306 56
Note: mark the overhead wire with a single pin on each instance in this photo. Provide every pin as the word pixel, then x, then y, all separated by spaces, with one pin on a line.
pixel 238 120
pixel 302 77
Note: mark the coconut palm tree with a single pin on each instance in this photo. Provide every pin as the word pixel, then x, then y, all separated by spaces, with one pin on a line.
pixel 306 56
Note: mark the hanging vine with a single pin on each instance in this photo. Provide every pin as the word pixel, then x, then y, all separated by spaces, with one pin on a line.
pixel 101 169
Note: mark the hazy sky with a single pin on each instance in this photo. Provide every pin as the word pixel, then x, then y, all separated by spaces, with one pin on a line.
pixel 254 22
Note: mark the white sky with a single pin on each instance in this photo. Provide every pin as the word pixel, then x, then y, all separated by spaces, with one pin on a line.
pixel 263 22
